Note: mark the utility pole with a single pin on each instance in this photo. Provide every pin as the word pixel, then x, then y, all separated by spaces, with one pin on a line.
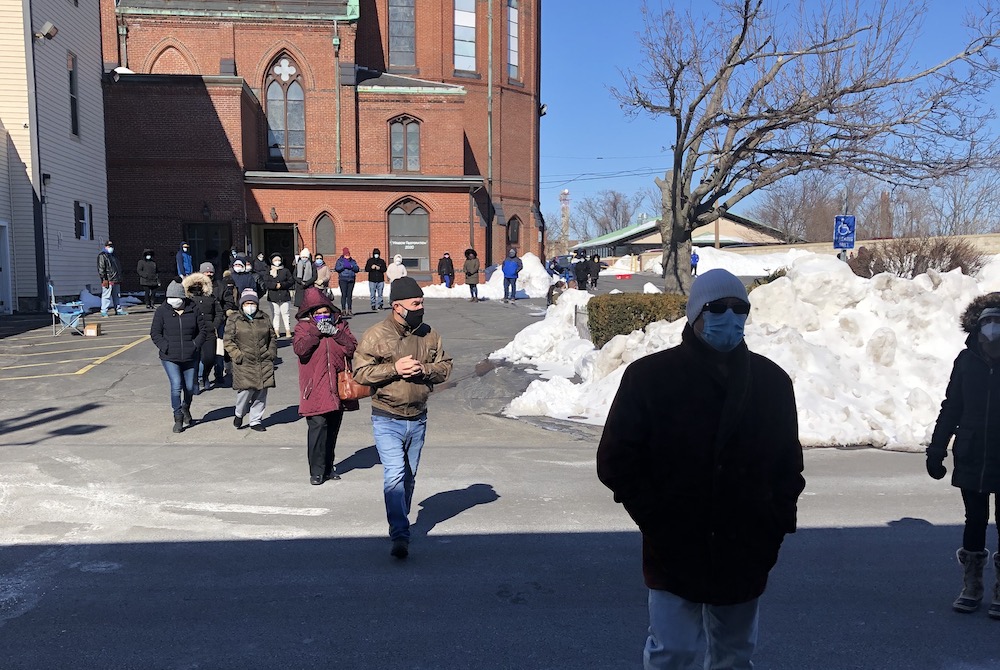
pixel 564 218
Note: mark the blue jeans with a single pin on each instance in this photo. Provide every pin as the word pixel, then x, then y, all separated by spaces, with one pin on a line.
pixel 678 630
pixel 510 283
pixel 110 297
pixel 375 289
pixel 181 376
pixel 447 280
pixel 399 442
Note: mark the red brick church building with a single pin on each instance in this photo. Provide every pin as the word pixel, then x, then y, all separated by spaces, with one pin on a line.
pixel 269 125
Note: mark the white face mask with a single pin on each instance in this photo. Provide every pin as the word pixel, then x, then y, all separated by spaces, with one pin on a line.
pixel 276 262
pixel 149 258
pixel 250 310
pixel 239 269
pixel 176 303
pixel 110 250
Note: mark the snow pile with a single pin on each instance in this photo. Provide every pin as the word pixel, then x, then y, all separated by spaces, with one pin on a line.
pixel 91 301
pixel 743 265
pixel 624 265
pixel 869 358
pixel 533 282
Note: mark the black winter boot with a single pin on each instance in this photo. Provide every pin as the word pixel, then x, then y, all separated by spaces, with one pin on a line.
pixel 178 422
pixel 186 414
pixel 972 567
pixel 995 605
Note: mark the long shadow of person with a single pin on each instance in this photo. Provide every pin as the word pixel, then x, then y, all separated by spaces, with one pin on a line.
pixel 447 504
pixel 359 460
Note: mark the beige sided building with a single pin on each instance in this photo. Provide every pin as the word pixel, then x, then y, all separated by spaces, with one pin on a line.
pixel 53 179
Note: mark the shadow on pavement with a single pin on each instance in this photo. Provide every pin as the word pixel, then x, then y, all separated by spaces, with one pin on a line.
pixel 871 598
pixel 45 415
pixel 443 506
pixel 289 414
pixel 362 459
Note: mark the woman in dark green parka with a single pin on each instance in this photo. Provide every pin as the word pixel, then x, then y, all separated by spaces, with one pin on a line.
pixel 252 344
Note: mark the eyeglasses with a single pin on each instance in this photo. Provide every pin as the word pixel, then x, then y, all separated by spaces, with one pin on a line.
pixel 720 306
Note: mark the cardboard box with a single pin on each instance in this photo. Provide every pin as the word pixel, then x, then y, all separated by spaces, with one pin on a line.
pixel 92 329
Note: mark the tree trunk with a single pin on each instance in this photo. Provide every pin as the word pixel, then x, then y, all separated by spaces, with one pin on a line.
pixel 676 255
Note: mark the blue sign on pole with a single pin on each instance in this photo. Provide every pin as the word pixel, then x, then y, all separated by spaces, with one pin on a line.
pixel 843 232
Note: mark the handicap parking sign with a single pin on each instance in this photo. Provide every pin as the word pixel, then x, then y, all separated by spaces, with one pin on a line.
pixel 843 232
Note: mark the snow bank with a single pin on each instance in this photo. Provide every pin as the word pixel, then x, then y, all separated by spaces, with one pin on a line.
pixel 533 282
pixel 91 301
pixel 869 358
pixel 743 265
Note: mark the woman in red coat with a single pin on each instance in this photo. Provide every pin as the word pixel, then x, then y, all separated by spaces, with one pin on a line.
pixel 323 343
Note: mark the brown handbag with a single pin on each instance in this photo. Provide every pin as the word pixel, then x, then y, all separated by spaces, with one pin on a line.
pixel 347 388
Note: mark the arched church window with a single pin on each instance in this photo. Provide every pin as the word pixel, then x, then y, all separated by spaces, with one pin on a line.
pixel 326 236
pixel 409 234
pixel 286 112
pixel 404 144
pixel 513 231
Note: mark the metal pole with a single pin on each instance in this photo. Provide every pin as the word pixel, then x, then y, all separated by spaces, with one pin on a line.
pixel 489 128
pixel 336 85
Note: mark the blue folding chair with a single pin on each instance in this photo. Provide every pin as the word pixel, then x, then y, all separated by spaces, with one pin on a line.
pixel 66 315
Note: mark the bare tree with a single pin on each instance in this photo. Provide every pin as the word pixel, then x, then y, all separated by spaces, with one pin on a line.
pixel 753 98
pixel 966 205
pixel 604 213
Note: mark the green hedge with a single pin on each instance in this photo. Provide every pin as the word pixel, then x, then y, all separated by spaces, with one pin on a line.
pixel 621 313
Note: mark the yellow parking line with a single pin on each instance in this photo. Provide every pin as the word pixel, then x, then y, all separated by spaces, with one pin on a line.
pixel 38 365
pixel 57 374
pixel 68 351
pixel 121 350
pixel 10 349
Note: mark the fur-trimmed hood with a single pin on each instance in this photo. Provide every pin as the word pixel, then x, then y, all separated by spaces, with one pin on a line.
pixel 970 318
pixel 197 278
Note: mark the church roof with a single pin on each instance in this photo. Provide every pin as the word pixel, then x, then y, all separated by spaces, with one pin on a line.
pixel 306 9
pixel 374 80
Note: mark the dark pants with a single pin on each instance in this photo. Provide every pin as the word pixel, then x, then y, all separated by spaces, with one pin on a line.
pixel 149 290
pixel 208 357
pixel 322 441
pixel 510 288
pixel 977 518
pixel 346 294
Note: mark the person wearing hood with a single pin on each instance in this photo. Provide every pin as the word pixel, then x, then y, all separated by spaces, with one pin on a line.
pixel 304 275
pixel 511 268
pixel 323 275
pixel 260 264
pixel 241 277
pixel 323 343
pixel 185 265
pixel 395 270
pixel 278 281
pixel 376 267
pixel 710 470
pixel 252 346
pixel 969 409
pixel 471 269
pixel 149 279
pixel 109 269
pixel 446 270
pixel 179 331
pixel 401 359
pixel 347 269
pixel 218 290
pixel 198 289
pixel 594 270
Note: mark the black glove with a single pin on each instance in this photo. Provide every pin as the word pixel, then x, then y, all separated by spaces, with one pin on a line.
pixel 935 467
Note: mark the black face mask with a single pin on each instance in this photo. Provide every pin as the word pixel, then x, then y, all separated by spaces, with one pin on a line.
pixel 413 317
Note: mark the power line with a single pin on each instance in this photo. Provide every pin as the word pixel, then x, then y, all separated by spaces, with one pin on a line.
pixel 603 158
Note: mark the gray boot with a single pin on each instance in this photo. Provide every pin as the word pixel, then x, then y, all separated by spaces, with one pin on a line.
pixel 972 567
pixel 995 605
pixel 178 422
pixel 188 421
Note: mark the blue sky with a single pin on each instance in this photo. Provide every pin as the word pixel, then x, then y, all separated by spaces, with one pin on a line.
pixel 585 135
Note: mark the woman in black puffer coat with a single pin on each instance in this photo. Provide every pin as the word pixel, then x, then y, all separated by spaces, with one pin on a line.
pixel 971 413
pixel 199 288
pixel 179 331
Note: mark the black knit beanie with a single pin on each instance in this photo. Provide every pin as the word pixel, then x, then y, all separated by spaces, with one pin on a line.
pixel 404 288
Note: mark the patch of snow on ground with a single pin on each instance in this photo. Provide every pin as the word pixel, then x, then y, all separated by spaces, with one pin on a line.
pixel 869 358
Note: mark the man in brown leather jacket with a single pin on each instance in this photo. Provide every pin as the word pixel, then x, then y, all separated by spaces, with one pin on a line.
pixel 401 358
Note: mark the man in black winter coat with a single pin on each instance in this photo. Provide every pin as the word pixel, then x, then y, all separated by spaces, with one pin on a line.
pixel 376 267
pixel 109 269
pixel 446 270
pixel 710 469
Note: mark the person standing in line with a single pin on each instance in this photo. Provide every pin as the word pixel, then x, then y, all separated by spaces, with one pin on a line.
pixel 710 470
pixel 511 268
pixel 694 263
pixel 323 275
pixel 304 275
pixel 109 269
pixel 395 270
pixel 323 342
pixel 218 291
pixel 968 409
pixel 252 345
pixel 241 277
pixel 446 270
pixel 278 281
pixel 594 270
pixel 401 358
pixel 179 331
pixel 185 265
pixel 347 268
pixel 260 265
pixel 198 289
pixel 376 267
pixel 581 270
pixel 471 269
pixel 149 279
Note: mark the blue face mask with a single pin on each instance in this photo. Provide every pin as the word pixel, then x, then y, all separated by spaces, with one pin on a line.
pixel 723 332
